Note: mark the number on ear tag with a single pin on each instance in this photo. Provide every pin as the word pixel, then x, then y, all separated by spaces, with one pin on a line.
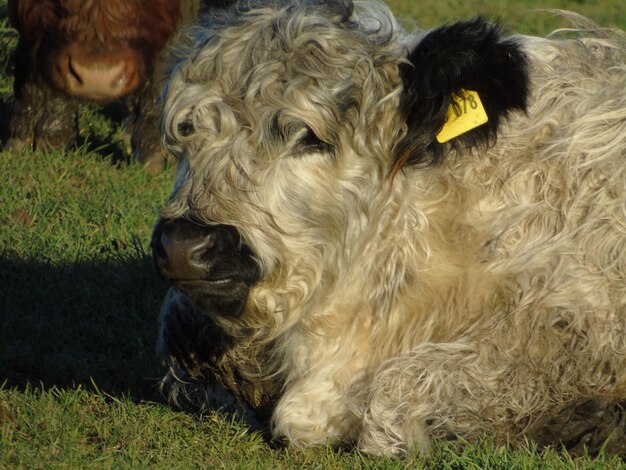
pixel 464 114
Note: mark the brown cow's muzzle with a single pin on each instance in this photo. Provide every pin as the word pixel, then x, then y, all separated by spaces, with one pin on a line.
pixel 100 75
pixel 208 263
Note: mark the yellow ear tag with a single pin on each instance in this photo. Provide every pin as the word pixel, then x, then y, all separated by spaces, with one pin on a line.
pixel 464 114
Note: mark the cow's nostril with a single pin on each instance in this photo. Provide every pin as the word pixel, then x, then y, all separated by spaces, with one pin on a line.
pixel 73 72
pixel 184 258
pixel 208 243
pixel 201 248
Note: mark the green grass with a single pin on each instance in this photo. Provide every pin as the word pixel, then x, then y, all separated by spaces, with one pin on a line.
pixel 79 303
pixel 524 16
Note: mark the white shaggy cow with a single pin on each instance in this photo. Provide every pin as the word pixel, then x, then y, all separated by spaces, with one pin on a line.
pixel 340 258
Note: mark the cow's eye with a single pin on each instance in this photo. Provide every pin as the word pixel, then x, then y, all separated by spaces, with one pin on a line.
pixel 185 128
pixel 309 142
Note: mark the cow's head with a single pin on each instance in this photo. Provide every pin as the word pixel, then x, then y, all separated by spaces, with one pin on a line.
pixel 97 50
pixel 290 124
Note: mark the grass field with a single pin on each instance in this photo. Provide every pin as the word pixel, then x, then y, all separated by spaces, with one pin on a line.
pixel 79 302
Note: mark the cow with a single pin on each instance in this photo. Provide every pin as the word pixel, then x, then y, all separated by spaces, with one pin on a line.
pixel 381 237
pixel 94 51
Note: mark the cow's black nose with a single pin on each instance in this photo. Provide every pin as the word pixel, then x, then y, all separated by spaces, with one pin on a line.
pixel 180 249
pixel 185 251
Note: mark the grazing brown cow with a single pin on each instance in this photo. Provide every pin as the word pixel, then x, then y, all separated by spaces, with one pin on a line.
pixel 72 51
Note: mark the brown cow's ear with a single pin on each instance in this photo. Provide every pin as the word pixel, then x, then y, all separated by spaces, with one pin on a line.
pixel 448 61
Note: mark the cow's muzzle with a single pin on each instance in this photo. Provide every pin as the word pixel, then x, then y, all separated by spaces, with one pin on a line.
pixel 208 263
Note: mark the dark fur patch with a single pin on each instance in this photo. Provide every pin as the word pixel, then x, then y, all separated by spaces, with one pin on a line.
pixel 203 353
pixel 470 55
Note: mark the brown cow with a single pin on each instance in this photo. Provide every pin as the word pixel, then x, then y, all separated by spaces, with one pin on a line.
pixel 72 51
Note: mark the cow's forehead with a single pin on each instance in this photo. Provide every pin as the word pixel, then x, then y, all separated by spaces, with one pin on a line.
pixel 277 33
pixel 301 63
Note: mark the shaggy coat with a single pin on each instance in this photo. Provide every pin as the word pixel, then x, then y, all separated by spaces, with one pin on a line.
pixel 91 51
pixel 334 264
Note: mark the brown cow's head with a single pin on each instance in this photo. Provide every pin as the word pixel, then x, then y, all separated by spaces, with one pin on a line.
pixel 93 49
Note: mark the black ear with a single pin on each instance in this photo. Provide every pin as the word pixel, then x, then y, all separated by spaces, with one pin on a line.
pixel 469 55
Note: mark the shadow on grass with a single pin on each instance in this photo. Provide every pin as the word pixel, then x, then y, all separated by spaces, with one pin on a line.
pixel 82 323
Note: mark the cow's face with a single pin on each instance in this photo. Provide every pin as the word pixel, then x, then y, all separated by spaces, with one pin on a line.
pixel 289 125
pixel 284 124
pixel 98 50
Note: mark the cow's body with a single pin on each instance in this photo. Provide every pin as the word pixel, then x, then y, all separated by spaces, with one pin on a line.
pixel 332 261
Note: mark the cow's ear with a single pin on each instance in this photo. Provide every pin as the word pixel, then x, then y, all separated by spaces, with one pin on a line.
pixel 446 64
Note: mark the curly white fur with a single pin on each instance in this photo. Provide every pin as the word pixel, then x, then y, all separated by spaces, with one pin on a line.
pixel 476 296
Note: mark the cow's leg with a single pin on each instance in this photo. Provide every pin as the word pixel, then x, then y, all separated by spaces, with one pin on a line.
pixel 27 110
pixel 146 135
pixel 315 410
pixel 58 127
pixel 42 119
pixel 418 395
pixel 475 389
